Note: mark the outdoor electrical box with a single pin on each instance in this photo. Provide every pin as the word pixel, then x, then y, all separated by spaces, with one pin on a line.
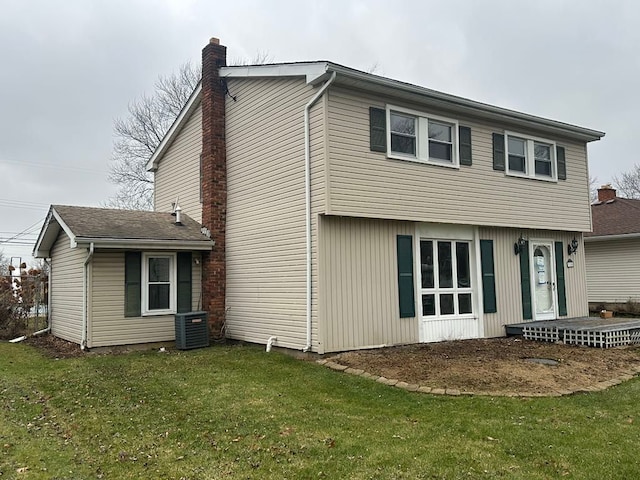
pixel 192 330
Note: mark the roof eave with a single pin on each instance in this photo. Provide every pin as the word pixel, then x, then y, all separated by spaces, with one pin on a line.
pixel 621 236
pixel 473 107
pixel 145 243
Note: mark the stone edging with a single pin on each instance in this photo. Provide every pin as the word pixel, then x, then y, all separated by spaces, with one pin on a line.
pixel 412 387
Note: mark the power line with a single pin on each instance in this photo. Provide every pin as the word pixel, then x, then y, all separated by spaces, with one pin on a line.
pixel 26 231
pixel 55 167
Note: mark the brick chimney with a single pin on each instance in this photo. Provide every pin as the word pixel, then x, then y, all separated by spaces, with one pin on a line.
pixel 606 193
pixel 214 183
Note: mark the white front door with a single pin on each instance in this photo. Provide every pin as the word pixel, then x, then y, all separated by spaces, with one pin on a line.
pixel 543 281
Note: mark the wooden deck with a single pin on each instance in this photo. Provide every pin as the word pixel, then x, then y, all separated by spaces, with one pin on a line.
pixel 588 331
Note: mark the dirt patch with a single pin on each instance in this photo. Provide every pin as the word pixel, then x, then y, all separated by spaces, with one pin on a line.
pixel 502 365
pixel 55 347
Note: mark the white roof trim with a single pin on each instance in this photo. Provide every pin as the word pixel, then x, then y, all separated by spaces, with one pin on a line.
pixel 185 113
pixel 49 232
pixel 314 72
pixel 146 244
pixel 622 236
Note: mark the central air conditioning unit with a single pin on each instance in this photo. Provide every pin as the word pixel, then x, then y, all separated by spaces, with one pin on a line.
pixel 192 330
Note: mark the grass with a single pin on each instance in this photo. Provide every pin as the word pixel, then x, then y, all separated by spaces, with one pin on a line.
pixel 237 412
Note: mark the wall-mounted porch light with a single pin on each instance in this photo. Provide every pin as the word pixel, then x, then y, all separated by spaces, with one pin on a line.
pixel 573 246
pixel 518 247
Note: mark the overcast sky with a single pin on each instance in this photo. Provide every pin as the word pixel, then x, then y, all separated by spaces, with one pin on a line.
pixel 68 68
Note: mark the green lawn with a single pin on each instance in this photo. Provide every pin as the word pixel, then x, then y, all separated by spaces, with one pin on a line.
pixel 238 412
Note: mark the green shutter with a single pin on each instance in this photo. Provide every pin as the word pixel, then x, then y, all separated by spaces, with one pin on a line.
pixel 184 282
pixel 377 129
pixel 488 276
pixel 525 283
pixel 498 151
pixel 132 283
pixel 405 276
pixel 560 280
pixel 464 137
pixel 562 163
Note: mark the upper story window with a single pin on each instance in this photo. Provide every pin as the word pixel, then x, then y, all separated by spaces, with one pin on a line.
pixel 531 157
pixel 424 138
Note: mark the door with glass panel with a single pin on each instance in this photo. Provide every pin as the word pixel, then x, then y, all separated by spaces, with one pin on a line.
pixel 543 283
pixel 446 289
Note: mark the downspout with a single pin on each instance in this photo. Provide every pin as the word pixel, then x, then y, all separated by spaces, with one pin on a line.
pixel 48 327
pixel 85 302
pixel 307 188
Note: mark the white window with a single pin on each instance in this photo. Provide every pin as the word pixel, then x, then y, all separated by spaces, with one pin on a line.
pixel 531 157
pixel 446 278
pixel 421 137
pixel 158 283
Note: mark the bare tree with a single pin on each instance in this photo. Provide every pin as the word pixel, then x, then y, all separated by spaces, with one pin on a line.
pixel 593 188
pixel 141 131
pixel 628 183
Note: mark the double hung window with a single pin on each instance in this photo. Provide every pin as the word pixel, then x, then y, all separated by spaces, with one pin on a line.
pixel 158 283
pixel 445 278
pixel 421 137
pixel 531 157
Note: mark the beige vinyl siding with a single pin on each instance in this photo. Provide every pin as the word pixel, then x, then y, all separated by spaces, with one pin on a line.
pixel 265 237
pixel 67 271
pixel 108 325
pixel 178 173
pixel 507 276
pixel 613 270
pixel 367 184
pixel 358 280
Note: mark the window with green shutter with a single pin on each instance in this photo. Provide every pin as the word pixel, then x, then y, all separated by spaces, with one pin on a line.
pixel 405 276
pixel 157 283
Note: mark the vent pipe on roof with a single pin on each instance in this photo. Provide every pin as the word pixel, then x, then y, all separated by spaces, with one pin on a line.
pixel 178 215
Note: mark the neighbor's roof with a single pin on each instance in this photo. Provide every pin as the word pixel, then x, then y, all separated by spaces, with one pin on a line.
pixel 616 217
pixel 112 228
pixel 319 71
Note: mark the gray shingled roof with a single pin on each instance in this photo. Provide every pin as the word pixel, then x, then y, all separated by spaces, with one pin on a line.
pixel 619 216
pixel 88 222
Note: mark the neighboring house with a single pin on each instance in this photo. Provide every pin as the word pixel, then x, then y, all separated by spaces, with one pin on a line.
pixel 613 251
pixel 118 276
pixel 350 211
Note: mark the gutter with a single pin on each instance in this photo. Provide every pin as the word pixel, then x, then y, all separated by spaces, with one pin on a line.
pixel 307 188
pixel 85 287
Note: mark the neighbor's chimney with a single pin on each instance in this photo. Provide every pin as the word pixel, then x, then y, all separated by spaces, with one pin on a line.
pixel 214 182
pixel 606 193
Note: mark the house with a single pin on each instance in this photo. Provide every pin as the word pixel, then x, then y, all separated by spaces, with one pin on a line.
pixel 349 210
pixel 612 252
pixel 117 276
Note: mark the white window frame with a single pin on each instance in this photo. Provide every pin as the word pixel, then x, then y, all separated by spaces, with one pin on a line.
pixel 436 290
pixel 173 279
pixel 422 138
pixel 530 161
